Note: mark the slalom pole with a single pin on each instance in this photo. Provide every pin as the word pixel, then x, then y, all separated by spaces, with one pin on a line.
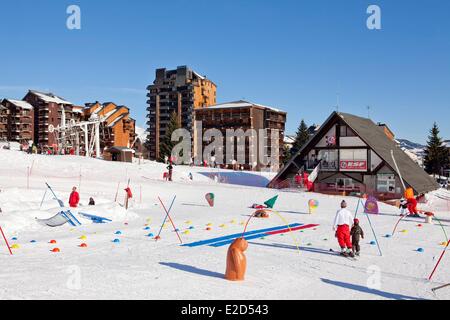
pixel 174 228
pixel 357 207
pixel 374 234
pixel 165 218
pixel 6 241
pixel 439 261
pixel 43 198
pixel 398 170
pixel 440 287
pixel 117 192
pixel 28 177
pixel 395 227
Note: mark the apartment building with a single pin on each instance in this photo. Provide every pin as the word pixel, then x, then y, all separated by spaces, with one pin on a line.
pixel 117 128
pixel 181 91
pixel 48 110
pixel 243 115
pixel 20 121
pixel 3 122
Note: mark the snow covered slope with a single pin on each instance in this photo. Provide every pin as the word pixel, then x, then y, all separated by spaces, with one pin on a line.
pixel 138 267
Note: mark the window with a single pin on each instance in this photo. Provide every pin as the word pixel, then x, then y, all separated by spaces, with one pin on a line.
pixel 386 183
pixel 329 159
pixel 344 184
pixel 353 160
pixel 345 131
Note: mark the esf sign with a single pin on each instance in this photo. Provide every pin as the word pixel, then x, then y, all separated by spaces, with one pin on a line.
pixel 353 165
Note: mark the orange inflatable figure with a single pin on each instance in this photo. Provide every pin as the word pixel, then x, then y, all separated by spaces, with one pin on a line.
pixel 236 260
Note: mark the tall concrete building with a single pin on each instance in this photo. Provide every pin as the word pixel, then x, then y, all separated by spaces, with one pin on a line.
pixel 181 91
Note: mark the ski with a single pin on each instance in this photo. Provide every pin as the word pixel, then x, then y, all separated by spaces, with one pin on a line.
pixel 338 253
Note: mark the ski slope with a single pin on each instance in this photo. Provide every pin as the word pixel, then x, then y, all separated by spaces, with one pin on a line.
pixel 138 267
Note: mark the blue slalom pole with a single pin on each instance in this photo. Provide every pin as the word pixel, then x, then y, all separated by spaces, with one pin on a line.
pixel 357 207
pixel 167 215
pixel 373 231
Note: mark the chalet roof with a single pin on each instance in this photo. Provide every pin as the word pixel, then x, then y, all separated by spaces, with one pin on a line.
pixel 119 118
pixel 241 104
pixel 375 137
pixel 49 97
pixel 20 104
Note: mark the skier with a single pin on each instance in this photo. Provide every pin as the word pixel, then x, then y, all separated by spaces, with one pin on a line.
pixel 91 201
pixel 412 203
pixel 357 233
pixel 170 168
pixel 403 206
pixel 74 198
pixel 342 223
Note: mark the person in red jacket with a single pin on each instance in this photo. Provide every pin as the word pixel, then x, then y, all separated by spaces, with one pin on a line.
pixel 74 198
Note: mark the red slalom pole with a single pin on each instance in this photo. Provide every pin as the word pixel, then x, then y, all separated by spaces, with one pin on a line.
pixel 174 228
pixel 6 241
pixel 395 228
pixel 439 261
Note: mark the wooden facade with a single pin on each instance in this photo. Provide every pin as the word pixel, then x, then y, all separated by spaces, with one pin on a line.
pixel 3 123
pixel 243 115
pixel 47 111
pixel 117 129
pixel 20 121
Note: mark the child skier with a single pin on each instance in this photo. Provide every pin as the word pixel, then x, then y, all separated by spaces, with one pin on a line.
pixel 403 206
pixel 170 169
pixel 357 233
pixel 74 198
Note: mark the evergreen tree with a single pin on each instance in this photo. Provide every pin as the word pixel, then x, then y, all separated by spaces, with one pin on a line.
pixel 302 136
pixel 287 155
pixel 436 154
pixel 166 145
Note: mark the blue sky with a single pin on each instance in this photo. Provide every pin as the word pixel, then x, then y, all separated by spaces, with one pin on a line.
pixel 292 54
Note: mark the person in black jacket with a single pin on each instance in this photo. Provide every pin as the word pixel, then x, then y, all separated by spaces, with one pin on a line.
pixel 357 233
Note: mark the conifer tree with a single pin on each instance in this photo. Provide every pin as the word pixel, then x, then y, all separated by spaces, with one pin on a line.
pixel 436 154
pixel 302 136
pixel 166 145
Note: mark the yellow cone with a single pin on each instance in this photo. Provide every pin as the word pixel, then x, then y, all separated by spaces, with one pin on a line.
pixel 83 238
pixel 15 246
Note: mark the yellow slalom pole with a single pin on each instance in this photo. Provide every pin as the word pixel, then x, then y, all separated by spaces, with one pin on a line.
pixel 287 224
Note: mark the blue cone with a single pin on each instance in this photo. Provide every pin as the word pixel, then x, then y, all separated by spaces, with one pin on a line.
pixel 150 235
pixel 420 250
pixel 116 241
pixel 118 232
pixel 373 243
